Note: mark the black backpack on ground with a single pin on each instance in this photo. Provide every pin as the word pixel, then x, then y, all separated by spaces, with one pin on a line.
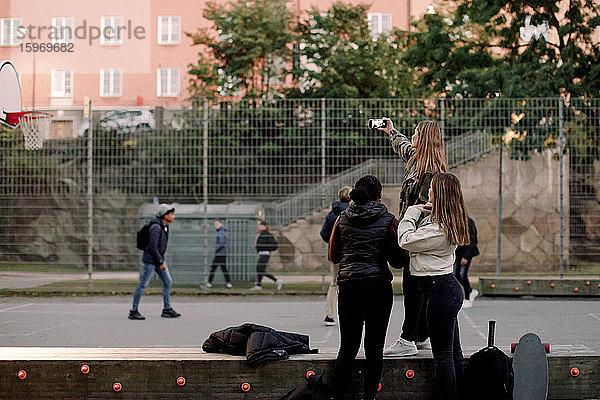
pixel 143 236
pixel 313 388
pixel 489 373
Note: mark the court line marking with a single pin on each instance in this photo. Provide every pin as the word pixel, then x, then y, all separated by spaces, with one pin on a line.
pixel 6 322
pixel 596 316
pixel 474 326
pixel 38 331
pixel 15 307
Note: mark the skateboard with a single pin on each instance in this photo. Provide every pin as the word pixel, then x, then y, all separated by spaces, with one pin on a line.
pixel 530 366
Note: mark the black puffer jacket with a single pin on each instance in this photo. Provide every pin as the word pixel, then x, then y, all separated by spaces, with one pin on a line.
pixel 258 343
pixel 365 240
pixel 158 236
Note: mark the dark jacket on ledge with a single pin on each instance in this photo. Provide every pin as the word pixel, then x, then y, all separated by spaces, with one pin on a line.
pixel 258 343
pixel 363 241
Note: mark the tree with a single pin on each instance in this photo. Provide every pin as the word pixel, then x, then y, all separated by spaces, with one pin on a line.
pixel 336 57
pixel 250 52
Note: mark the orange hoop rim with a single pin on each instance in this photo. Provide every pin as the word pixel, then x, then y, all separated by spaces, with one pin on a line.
pixel 15 117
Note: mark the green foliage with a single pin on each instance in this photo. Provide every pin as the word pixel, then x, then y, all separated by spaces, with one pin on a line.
pixel 251 46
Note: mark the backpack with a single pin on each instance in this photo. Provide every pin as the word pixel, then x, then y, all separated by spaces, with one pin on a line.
pixel 489 373
pixel 143 236
pixel 313 388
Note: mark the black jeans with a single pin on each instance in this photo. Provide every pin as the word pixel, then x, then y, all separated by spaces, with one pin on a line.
pixel 414 327
pixel 368 302
pixel 220 260
pixel 462 274
pixel 445 297
pixel 261 266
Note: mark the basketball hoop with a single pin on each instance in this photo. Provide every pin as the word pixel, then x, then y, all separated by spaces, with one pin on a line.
pixel 35 126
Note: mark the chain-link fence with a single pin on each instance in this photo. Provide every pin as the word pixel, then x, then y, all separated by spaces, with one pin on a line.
pixel 75 205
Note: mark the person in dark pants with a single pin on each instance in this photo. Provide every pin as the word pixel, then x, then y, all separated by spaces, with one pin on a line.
pixel 431 233
pixel 154 261
pixel 363 241
pixel 220 258
pixel 424 156
pixel 264 243
pixel 464 256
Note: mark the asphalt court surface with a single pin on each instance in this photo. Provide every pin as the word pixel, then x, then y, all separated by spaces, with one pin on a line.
pixel 103 322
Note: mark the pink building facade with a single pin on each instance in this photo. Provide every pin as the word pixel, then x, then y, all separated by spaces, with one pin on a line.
pixel 145 65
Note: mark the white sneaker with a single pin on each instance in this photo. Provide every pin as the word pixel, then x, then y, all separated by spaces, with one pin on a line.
pixel 401 348
pixel 467 304
pixel 426 345
pixel 256 287
pixel 228 285
pixel 208 285
pixel 473 295
pixel 279 284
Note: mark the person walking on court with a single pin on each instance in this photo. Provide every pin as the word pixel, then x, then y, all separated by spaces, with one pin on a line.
pixel 431 233
pixel 362 242
pixel 154 261
pixel 336 209
pixel 264 244
pixel 424 156
pixel 220 258
pixel 464 255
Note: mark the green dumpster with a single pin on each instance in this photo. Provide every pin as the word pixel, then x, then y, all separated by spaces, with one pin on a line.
pixel 189 255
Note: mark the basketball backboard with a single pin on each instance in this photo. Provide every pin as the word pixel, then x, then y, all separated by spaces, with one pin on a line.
pixel 10 93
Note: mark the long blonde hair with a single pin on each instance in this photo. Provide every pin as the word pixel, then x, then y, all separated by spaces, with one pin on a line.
pixel 430 155
pixel 448 209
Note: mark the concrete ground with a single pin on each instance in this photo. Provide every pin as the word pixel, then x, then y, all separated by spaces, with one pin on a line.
pixel 102 321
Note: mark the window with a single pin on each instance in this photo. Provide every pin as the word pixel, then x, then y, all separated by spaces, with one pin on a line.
pixel 111 31
pixel 62 83
pixel 110 82
pixel 62 30
pixel 168 30
pixel 8 31
pixel 167 82
pixel 379 23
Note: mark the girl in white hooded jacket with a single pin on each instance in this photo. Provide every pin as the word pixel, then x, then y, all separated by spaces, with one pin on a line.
pixel 430 233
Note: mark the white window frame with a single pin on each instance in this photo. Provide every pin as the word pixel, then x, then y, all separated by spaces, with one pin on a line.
pixel 170 74
pixel 60 35
pixel 115 83
pixel 173 30
pixel 113 22
pixel 376 24
pixel 58 87
pixel 10 40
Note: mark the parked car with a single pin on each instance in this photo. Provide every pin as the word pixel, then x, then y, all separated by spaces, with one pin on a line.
pixel 123 121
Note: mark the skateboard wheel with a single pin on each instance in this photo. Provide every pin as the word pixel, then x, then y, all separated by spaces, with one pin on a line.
pixel 494 285
pixel 309 373
pixel 410 373
pixel 574 372
pixel 117 387
pixel 22 374
pixel 379 387
pixel 513 346
pixel 516 289
pixel 552 284
pixel 181 381
pixel 576 290
pixel 85 369
pixel 547 347
pixel 529 282
pixel 245 387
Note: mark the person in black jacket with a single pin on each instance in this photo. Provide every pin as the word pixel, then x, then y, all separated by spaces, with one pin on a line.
pixel 464 255
pixel 154 261
pixel 336 209
pixel 363 241
pixel 264 243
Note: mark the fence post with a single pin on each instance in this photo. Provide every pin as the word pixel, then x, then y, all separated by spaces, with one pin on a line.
pixel 90 200
pixel 499 214
pixel 561 138
pixel 442 116
pixel 323 183
pixel 205 186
